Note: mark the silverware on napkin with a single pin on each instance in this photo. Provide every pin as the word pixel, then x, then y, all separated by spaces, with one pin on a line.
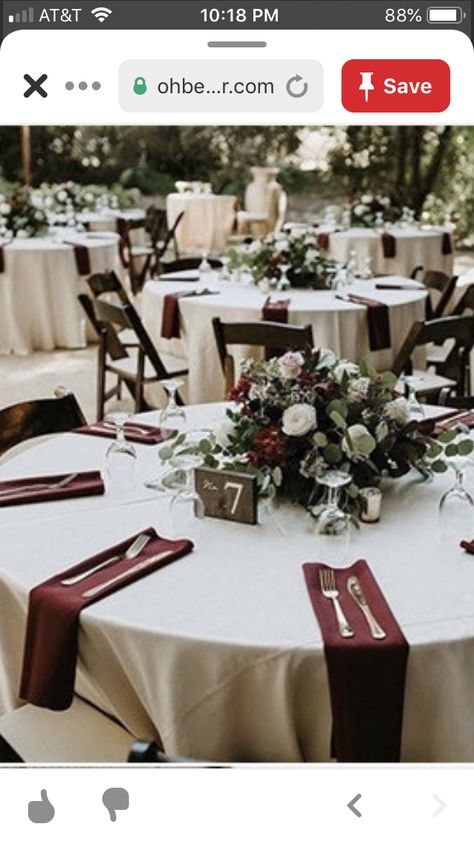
pixel 355 590
pixel 327 581
pixel 136 568
pixel 39 486
pixel 132 552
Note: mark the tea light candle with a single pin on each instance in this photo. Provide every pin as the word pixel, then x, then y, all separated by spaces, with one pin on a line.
pixel 371 508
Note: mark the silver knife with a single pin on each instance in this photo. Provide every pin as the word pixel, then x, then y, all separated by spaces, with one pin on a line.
pixel 354 588
pixel 136 568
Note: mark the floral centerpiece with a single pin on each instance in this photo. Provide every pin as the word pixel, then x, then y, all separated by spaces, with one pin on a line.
pixel 304 414
pixel 19 217
pixel 62 202
pixel 293 256
pixel 369 211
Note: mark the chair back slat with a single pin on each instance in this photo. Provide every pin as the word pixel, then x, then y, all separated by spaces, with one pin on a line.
pixel 459 329
pixel 33 418
pixel 107 283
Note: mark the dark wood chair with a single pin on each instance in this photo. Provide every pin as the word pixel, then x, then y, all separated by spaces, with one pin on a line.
pixel 439 283
pixel 465 303
pixel 265 334
pixel 33 418
pixel 136 259
pixel 108 284
pixel 454 371
pixel 161 236
pixel 186 264
pixel 135 370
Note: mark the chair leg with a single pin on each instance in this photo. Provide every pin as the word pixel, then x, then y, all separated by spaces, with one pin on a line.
pixel 101 374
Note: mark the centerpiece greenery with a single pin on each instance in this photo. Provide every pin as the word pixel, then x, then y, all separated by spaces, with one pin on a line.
pixel 296 256
pixel 369 210
pixel 19 217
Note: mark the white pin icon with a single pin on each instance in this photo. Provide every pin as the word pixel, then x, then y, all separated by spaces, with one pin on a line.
pixel 367 84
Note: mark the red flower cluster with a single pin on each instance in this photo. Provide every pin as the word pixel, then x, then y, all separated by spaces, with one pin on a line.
pixel 268 447
pixel 239 393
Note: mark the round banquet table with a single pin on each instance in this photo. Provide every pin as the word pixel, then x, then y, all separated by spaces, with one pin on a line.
pixel 338 325
pixel 39 287
pixel 220 652
pixel 414 247
pixel 106 220
pixel 207 222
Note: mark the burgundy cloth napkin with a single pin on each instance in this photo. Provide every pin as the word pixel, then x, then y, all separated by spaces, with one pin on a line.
pixel 447 244
pixel 366 676
pixel 378 321
pixel 51 643
pixel 468 545
pixel 83 262
pixel 170 328
pixel 389 245
pixel 452 420
pixel 137 433
pixel 276 311
pixel 85 484
pixel 323 241
pixel 2 260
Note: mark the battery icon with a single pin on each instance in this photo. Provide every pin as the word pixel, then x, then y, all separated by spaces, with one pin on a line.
pixel 448 14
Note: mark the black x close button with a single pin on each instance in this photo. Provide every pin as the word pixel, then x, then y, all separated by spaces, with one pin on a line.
pixel 35 85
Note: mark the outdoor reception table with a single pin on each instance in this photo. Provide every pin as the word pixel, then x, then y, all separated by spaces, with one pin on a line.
pixel 106 220
pixel 207 222
pixel 413 246
pixel 39 287
pixel 337 325
pixel 220 651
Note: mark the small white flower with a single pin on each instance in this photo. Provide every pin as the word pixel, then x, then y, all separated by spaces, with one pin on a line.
pixel 290 365
pixel 62 195
pixel 358 389
pixel 22 234
pixel 327 358
pixel 359 210
pixel 299 419
pixel 367 198
pixel 398 411
pixel 358 443
pixel 345 367
pixel 5 208
pixel 223 432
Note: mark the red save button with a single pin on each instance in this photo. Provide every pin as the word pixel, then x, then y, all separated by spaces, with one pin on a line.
pixel 396 85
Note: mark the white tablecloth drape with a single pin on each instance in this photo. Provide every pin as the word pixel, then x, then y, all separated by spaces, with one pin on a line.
pixel 337 325
pixel 220 652
pixel 106 220
pixel 207 222
pixel 39 287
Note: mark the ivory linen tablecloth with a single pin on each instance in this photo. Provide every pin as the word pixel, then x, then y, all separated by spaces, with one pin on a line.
pixel 220 652
pixel 337 325
pixel 207 222
pixel 39 309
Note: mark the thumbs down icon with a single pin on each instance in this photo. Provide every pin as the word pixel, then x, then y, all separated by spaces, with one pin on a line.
pixel 41 811
pixel 115 800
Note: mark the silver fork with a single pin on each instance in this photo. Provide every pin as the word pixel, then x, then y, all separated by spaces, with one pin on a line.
pixel 40 486
pixel 132 552
pixel 327 581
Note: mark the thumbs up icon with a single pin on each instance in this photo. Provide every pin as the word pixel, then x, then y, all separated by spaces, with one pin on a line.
pixel 41 811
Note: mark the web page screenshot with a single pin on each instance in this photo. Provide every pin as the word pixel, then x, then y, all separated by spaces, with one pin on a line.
pixel 236 419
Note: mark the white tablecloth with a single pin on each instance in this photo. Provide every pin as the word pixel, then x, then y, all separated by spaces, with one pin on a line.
pixel 207 222
pixel 38 291
pixel 106 220
pixel 414 247
pixel 337 325
pixel 220 652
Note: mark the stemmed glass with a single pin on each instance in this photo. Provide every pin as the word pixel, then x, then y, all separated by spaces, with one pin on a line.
pixel 186 506
pixel 205 267
pixel 283 282
pixel 456 507
pixel 120 456
pixel 417 411
pixel 329 522
pixel 224 273
pixel 172 414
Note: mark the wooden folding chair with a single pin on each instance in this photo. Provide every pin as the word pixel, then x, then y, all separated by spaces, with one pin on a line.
pixel 440 283
pixel 33 418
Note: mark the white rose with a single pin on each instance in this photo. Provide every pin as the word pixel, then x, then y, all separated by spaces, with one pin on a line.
pixel 367 198
pixel 62 195
pixel 290 365
pixel 399 411
pixel 358 389
pixel 223 432
pixel 358 443
pixel 359 210
pixel 22 234
pixel 344 367
pixel 327 358
pixel 298 420
pixel 5 208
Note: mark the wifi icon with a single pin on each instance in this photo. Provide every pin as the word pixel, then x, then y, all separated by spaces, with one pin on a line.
pixel 101 13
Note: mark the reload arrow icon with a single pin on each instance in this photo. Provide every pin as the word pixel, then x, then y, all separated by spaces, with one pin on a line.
pixel 441 805
pixel 352 807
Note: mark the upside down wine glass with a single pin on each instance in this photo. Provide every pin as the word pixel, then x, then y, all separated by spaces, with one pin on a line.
pixel 456 507
pixel 172 415
pixel 329 522
pixel 121 456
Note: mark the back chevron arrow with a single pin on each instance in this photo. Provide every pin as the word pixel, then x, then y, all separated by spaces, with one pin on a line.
pixel 352 807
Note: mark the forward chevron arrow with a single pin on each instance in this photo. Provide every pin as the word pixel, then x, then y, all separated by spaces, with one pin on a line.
pixel 441 805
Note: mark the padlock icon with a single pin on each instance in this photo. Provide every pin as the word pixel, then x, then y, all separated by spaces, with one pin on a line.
pixel 139 86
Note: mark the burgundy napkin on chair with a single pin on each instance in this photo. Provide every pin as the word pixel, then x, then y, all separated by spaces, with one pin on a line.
pixel 2 260
pixel 83 262
pixel 447 244
pixel 276 311
pixel 84 484
pixel 137 433
pixel 51 644
pixel 323 241
pixel 366 676
pixel 378 320
pixel 389 245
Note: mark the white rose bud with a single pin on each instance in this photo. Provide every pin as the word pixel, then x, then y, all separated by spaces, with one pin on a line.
pixel 358 443
pixel 290 365
pixel 223 432
pixel 398 411
pixel 298 420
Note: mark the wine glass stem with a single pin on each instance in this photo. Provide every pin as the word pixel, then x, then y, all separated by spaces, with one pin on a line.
pixel 120 433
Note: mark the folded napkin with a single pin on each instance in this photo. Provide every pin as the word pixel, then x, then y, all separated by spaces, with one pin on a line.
pixel 51 644
pixel 323 241
pixel 170 327
pixel 137 433
pixel 81 253
pixel 447 245
pixel 468 545
pixel 276 310
pixel 452 420
pixel 389 245
pixel 171 277
pixel 378 320
pixel 408 287
pixel 366 676
pixel 32 489
pixel 2 259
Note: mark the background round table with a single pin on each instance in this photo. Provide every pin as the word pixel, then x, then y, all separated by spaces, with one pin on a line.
pixel 207 222
pixel 106 220
pixel 39 309
pixel 337 325
pixel 220 652
pixel 414 247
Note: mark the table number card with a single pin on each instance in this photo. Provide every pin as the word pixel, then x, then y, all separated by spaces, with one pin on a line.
pixel 228 495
